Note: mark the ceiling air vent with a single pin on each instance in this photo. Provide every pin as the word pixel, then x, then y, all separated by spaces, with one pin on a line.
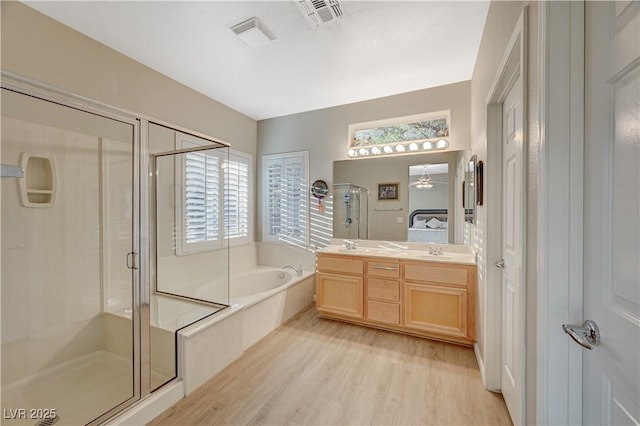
pixel 320 12
pixel 253 32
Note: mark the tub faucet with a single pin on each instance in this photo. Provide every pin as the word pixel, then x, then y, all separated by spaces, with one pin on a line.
pixel 298 269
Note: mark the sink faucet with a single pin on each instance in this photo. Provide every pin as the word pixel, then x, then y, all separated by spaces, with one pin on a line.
pixel 298 269
pixel 350 245
pixel 435 251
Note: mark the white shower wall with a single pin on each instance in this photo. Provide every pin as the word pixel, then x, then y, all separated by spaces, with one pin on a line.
pixel 52 259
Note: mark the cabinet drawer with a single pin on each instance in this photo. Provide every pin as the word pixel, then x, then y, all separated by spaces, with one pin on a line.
pixel 383 269
pixel 388 313
pixel 434 273
pixel 378 288
pixel 344 264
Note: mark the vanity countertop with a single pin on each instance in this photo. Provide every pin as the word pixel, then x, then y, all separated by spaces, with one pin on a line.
pixel 407 251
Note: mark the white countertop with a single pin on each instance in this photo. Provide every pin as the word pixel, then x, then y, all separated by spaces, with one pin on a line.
pixel 408 251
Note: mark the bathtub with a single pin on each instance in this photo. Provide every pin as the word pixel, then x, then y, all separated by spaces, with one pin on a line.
pixel 245 289
pixel 260 300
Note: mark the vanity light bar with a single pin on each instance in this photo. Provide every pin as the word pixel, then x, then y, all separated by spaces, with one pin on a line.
pixel 399 148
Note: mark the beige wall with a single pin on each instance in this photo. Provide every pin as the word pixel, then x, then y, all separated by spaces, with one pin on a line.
pixel 324 133
pixel 42 49
pixel 500 24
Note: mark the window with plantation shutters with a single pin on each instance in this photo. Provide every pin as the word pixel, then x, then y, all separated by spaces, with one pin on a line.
pixel 286 201
pixel 212 200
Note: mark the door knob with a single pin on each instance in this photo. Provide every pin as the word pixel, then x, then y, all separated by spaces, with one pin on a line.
pixel 500 264
pixel 586 335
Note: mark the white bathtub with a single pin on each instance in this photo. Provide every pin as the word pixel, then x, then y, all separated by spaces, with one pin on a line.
pixel 261 299
pixel 245 289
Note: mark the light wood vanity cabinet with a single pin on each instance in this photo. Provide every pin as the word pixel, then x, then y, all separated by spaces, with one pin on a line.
pixel 430 299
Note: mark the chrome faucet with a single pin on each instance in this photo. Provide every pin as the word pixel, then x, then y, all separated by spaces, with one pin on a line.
pixel 298 269
pixel 435 251
pixel 350 245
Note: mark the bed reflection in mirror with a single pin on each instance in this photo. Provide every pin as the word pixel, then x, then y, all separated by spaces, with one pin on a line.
pixel 429 203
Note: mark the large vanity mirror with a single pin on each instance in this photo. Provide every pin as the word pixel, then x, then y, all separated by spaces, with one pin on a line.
pixel 428 191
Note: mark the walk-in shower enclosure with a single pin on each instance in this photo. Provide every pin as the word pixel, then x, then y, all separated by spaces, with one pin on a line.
pixel 107 218
pixel 350 211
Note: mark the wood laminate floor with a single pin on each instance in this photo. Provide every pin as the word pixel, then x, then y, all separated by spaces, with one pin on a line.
pixel 312 371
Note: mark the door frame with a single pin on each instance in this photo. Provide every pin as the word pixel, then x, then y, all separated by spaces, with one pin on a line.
pixel 512 66
pixel 560 211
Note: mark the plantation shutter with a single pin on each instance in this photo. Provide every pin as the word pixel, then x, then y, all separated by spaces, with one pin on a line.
pixel 201 201
pixel 286 198
pixel 236 192
pixel 275 178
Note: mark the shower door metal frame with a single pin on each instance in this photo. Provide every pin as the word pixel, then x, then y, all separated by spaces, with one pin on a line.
pixel 152 202
pixel 24 86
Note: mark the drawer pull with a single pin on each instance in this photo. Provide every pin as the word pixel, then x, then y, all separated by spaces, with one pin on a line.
pixel 385 268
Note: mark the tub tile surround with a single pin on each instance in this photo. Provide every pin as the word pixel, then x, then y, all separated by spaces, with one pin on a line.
pixel 275 254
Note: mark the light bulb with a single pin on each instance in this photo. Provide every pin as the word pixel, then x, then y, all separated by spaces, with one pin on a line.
pixel 442 144
pixel 388 149
pixel 399 148
pixel 413 146
pixel 427 145
pixel 352 153
pixel 375 150
pixel 363 151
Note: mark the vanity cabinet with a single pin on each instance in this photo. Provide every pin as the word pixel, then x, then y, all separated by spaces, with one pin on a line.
pixel 432 299
pixel 340 286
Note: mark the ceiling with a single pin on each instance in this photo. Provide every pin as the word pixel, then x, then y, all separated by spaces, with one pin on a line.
pixel 379 48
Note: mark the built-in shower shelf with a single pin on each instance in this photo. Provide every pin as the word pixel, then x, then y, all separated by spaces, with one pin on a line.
pixel 38 187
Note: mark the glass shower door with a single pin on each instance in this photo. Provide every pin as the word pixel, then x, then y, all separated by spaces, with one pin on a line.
pixel 67 293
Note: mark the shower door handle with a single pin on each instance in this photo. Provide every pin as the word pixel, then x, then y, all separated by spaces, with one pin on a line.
pixel 131 260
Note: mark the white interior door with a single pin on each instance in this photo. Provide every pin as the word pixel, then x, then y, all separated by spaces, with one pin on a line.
pixel 512 377
pixel 611 371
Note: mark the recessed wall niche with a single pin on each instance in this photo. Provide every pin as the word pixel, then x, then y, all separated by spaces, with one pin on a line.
pixel 38 187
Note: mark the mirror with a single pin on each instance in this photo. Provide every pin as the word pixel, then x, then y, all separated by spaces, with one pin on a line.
pixel 389 219
pixel 469 191
pixel 319 189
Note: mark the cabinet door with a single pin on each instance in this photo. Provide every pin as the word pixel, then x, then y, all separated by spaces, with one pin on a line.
pixel 340 294
pixel 436 309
